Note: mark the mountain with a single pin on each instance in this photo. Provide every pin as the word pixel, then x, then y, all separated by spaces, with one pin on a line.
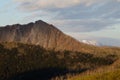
pixel 40 33
pixel 101 41
pixel 39 51
pixel 90 42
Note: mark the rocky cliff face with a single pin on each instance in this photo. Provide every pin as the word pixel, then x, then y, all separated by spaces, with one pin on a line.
pixel 39 33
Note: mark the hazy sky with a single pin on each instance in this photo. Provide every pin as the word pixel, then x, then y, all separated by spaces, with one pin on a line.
pixel 98 18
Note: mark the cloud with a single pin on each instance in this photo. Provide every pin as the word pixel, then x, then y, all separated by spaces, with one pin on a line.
pixel 118 0
pixel 75 9
pixel 31 5
pixel 85 25
pixel 74 15
pixel 106 10
pixel 102 41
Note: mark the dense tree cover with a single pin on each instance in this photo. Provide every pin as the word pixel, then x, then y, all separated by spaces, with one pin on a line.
pixel 22 58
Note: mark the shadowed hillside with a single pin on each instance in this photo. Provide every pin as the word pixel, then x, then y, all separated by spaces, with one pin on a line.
pixel 29 62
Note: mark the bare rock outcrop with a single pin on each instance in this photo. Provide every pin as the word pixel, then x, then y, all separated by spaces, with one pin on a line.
pixel 39 33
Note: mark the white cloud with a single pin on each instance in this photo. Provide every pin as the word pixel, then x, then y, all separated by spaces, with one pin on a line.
pixel 84 25
pixel 74 15
pixel 41 4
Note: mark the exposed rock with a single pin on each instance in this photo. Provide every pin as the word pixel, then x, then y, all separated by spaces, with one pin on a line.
pixel 39 33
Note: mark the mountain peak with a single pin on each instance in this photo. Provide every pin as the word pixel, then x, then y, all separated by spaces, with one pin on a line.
pixel 40 22
pixel 39 33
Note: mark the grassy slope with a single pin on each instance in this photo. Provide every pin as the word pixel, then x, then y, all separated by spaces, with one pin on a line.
pixel 18 59
pixel 112 75
pixel 111 72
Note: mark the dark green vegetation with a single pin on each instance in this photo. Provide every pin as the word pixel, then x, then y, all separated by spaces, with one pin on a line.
pixel 29 62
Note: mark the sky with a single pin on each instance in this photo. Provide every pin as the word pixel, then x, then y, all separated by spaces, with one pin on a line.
pixel 82 19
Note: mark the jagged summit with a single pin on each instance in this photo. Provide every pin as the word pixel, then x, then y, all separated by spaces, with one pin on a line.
pixel 39 33
pixel 31 23
pixel 40 21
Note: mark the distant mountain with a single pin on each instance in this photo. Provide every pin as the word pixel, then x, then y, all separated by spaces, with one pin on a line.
pixel 90 42
pixel 40 33
pixel 101 41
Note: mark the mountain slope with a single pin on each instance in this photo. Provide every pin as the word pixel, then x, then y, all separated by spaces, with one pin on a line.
pixel 19 60
pixel 29 62
pixel 39 33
